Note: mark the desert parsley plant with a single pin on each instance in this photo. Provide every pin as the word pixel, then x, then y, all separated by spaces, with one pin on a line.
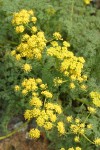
pixel 55 86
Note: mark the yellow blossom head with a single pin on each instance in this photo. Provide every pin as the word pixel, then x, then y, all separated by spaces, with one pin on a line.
pixel 17 87
pixel 87 2
pixel 97 141
pixel 27 67
pixel 20 29
pixel 69 118
pixel 61 128
pixel 34 133
pixel 92 110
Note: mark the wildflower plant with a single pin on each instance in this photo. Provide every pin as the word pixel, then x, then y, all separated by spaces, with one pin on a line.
pixel 55 86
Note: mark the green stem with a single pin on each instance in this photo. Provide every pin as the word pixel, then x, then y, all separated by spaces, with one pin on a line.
pixel 13 132
pixel 72 11
pixel 49 41
pixel 88 139
pixel 87 118
pixel 82 101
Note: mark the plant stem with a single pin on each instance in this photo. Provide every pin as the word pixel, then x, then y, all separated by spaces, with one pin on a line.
pixel 87 139
pixel 13 132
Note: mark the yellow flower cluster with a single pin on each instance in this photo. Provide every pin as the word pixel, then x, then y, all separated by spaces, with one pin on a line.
pixel 28 115
pixel 61 128
pixel 31 46
pixel 89 126
pixel 83 87
pixel 87 2
pixel 70 65
pixel 62 148
pixel 97 141
pixel 47 94
pixel 69 118
pixel 47 116
pixel 22 17
pixel 45 113
pixel 92 110
pixel 72 85
pixel 35 101
pixel 55 107
pixel 34 133
pixel 34 85
pixel 17 87
pixel 58 81
pixel 76 139
pixel 20 29
pixel 57 36
pixel 95 96
pixel 77 148
pixel 29 84
pixel 78 127
pixel 27 67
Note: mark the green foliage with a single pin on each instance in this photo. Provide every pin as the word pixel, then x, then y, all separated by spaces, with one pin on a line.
pixel 80 25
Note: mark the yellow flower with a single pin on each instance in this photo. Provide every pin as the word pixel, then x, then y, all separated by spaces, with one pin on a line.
pixel 34 29
pixel 34 19
pixel 43 86
pixel 44 115
pixel 18 56
pixel 95 98
pixel 47 94
pixel 76 139
pixel 83 87
pixel 35 112
pixel 31 12
pixel 74 128
pixel 69 118
pixel 40 121
pixel 17 87
pixel 77 128
pixel 13 52
pixel 24 92
pixel 27 115
pixel 71 148
pixel 81 131
pixel 48 125
pixel 87 1
pixel 25 37
pixel 53 117
pixel 62 149
pixel 54 43
pixel 34 133
pixel 20 29
pixel 27 67
pixel 36 102
pixel 57 108
pixel 35 94
pixel 84 77
pixel 78 148
pixel 57 36
pixel 77 120
pixel 22 17
pixel 61 128
pixel 89 126
pixel 38 81
pixel 30 84
pixel 92 110
pixel 97 141
pixel 57 81
pixel 66 44
pixel 49 106
pixel 72 85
